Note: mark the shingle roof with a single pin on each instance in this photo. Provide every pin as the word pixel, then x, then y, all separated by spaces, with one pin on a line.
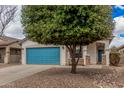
pixel 121 47
pixel 23 40
pixel 5 40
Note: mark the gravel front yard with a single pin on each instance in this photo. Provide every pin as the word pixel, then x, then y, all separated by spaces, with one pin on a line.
pixel 62 78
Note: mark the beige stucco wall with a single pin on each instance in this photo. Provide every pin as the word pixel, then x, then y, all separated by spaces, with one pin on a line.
pixel 15 45
pixel 64 55
pixel 31 44
pixel 107 52
pixel 91 49
pixel 7 55
pixel 7 51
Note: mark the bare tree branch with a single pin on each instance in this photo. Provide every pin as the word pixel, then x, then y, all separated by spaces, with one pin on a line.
pixel 7 14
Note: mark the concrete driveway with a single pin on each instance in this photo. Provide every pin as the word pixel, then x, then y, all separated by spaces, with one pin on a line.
pixel 13 73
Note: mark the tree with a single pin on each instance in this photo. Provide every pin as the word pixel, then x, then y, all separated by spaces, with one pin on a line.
pixel 7 14
pixel 67 25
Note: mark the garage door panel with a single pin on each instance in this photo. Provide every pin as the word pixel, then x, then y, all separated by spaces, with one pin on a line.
pixel 43 55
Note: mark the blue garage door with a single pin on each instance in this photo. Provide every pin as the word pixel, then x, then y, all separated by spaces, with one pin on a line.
pixel 43 55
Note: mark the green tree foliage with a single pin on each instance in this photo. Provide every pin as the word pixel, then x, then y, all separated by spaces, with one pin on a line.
pixel 67 25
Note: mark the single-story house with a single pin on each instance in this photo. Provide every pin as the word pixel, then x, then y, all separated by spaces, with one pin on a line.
pixel 121 51
pixel 95 53
pixel 10 50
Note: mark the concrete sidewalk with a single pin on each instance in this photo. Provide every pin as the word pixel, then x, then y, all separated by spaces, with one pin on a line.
pixel 13 73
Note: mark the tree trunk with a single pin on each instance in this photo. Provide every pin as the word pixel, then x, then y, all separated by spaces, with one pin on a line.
pixel 72 51
pixel 73 69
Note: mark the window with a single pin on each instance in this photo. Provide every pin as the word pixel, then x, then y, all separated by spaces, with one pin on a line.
pixel 15 52
pixel 77 52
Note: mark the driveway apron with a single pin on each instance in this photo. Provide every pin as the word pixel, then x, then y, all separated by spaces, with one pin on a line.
pixel 13 73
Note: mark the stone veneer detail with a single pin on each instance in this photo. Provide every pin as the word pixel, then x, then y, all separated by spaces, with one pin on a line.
pixel 87 60
pixel 103 59
pixel 81 61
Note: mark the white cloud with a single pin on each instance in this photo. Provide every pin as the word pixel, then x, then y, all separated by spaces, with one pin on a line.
pixel 119 25
pixel 117 41
pixel 119 29
pixel 120 6
pixel 15 30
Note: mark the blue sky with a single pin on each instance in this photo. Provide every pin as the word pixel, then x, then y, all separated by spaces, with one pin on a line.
pixel 118 15
pixel 117 11
pixel 118 32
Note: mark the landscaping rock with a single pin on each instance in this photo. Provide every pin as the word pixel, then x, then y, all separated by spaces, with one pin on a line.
pixel 106 77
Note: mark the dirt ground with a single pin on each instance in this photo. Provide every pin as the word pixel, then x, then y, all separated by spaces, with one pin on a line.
pixel 106 77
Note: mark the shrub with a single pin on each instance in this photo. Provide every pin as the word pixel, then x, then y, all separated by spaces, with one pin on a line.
pixel 114 59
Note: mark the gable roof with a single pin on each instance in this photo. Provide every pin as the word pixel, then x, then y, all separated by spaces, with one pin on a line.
pixel 23 40
pixel 121 47
pixel 5 40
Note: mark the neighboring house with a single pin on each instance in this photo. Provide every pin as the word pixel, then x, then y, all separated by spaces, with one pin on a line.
pixel 10 50
pixel 121 51
pixel 95 53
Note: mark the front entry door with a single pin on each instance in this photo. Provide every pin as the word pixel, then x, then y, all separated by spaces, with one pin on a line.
pixel 100 52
